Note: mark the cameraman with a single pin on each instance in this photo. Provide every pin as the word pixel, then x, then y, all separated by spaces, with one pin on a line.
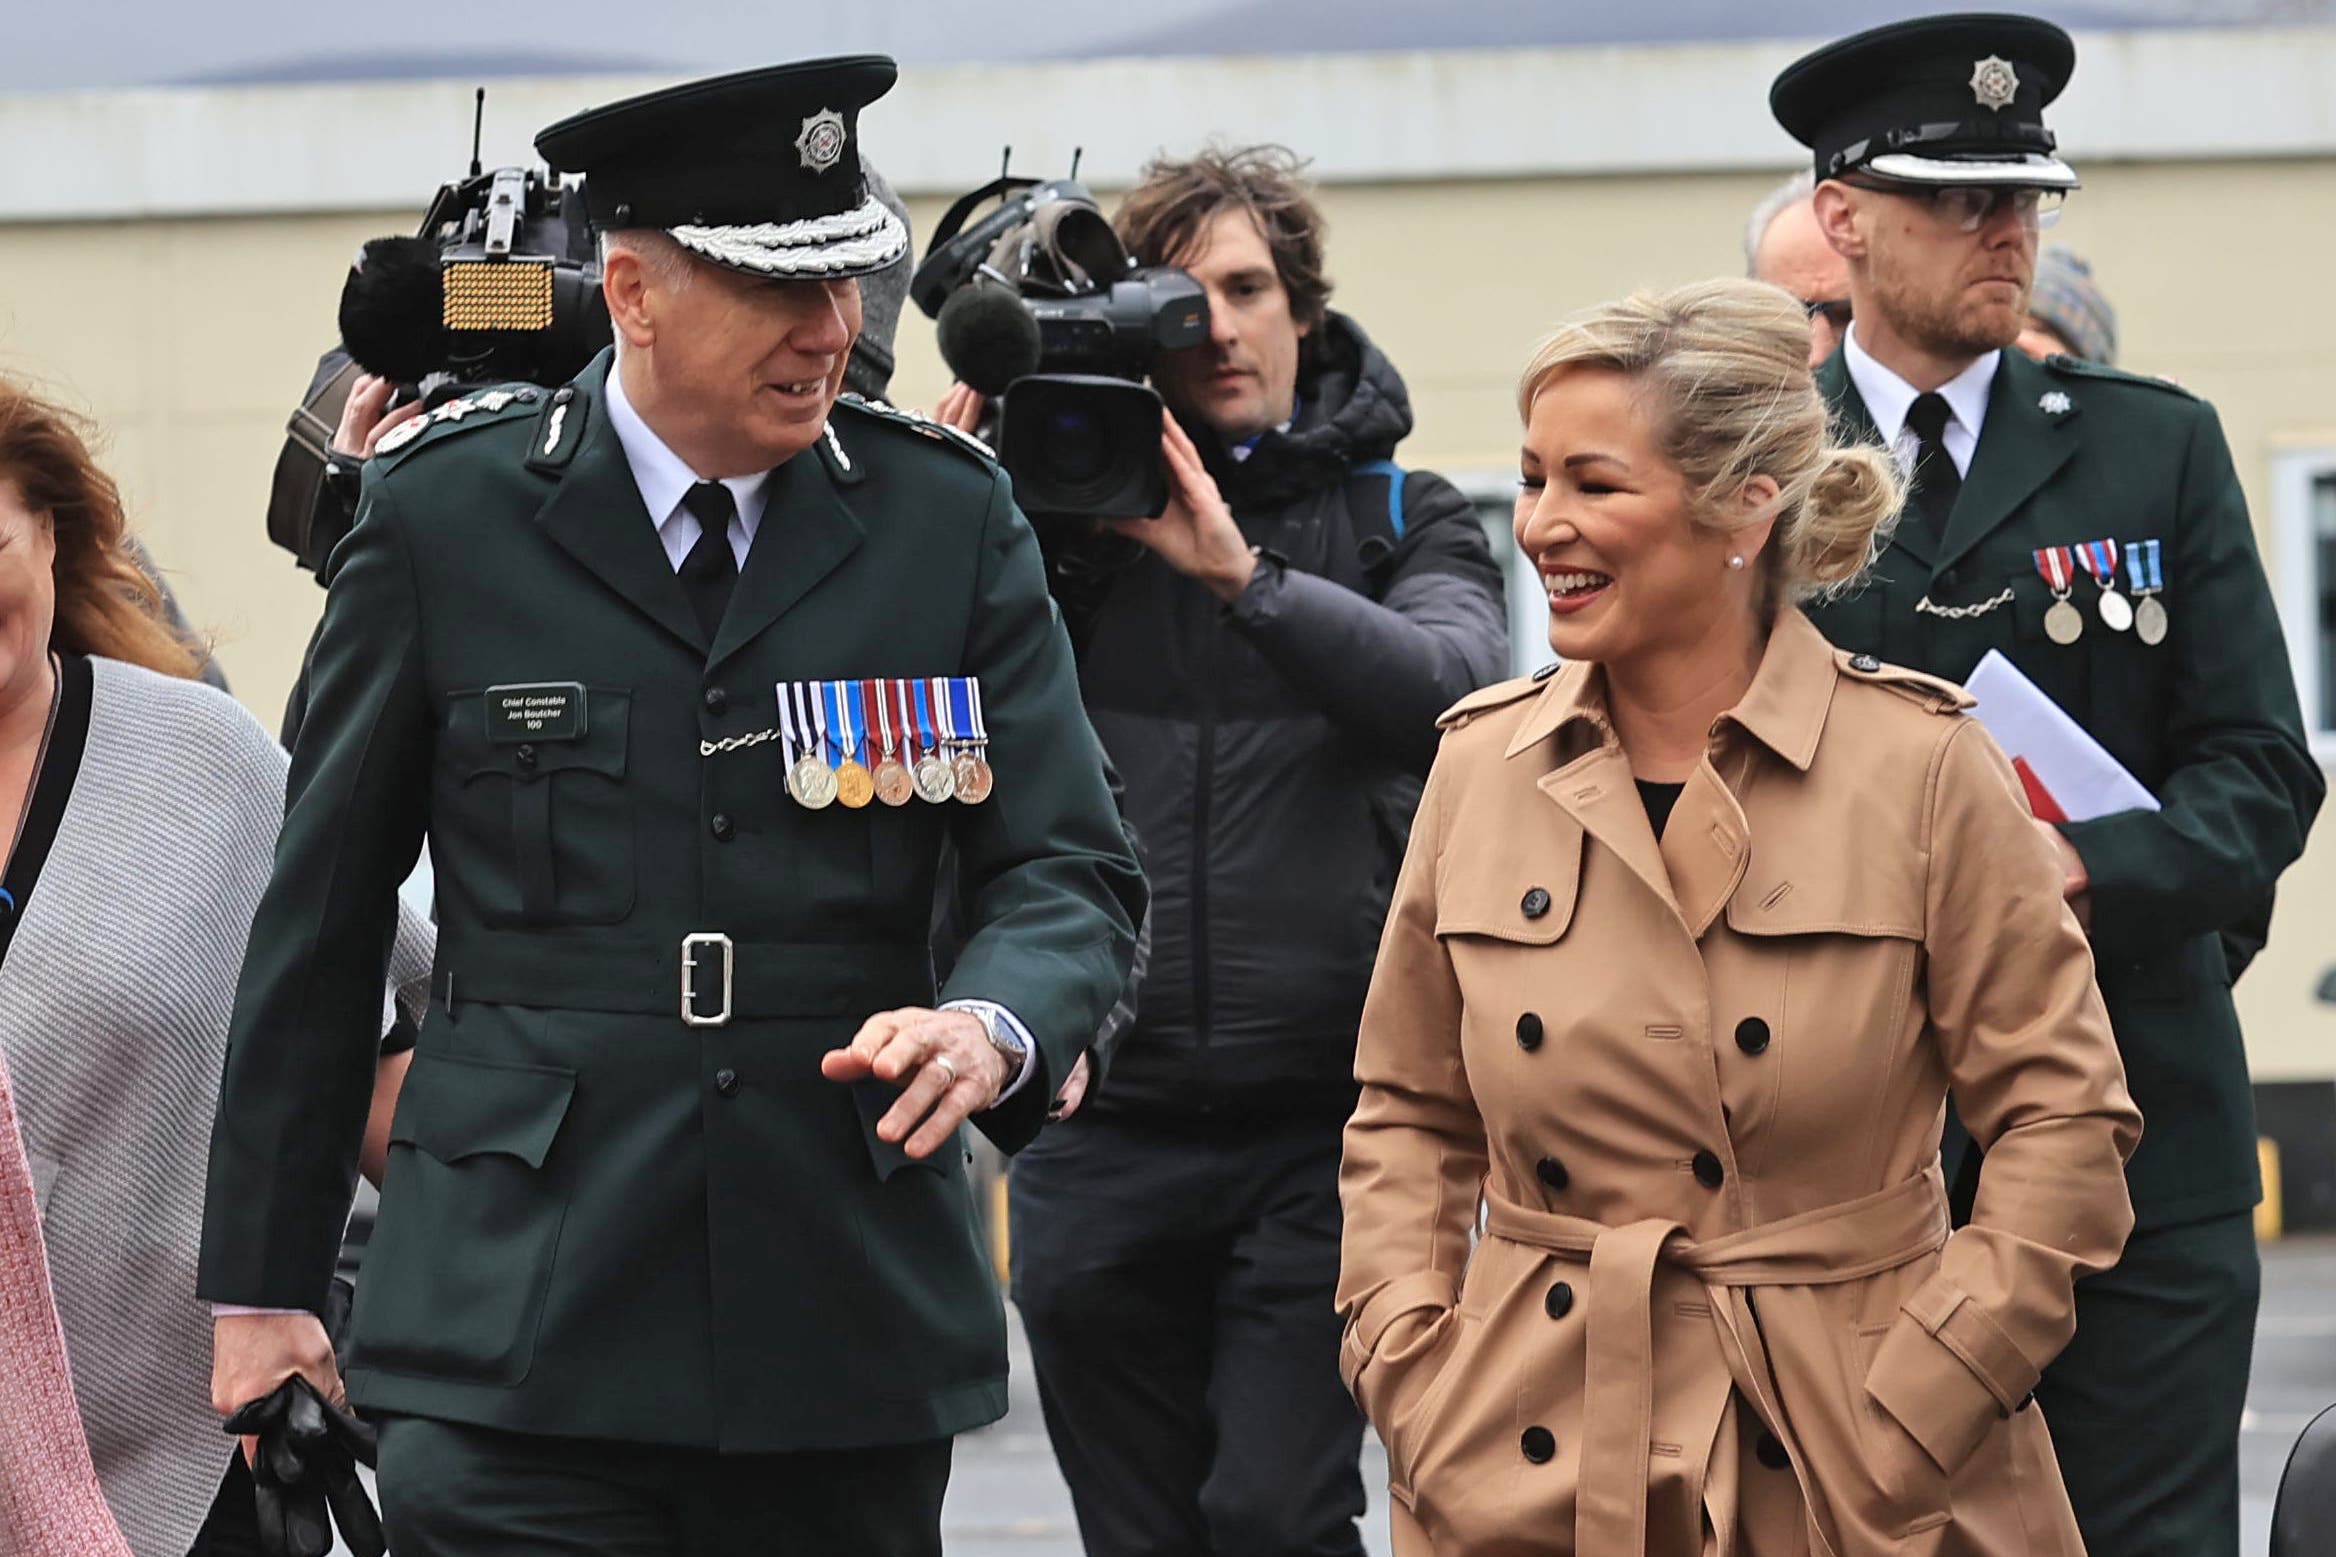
pixel 1265 669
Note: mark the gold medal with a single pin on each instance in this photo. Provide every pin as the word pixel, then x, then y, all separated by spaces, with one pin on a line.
pixel 2064 623
pixel 2149 620
pixel 854 785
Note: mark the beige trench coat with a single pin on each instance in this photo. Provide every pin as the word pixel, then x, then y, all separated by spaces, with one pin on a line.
pixel 1698 1087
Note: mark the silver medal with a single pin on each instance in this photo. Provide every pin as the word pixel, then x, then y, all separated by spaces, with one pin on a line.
pixel 2116 610
pixel 2064 623
pixel 2149 620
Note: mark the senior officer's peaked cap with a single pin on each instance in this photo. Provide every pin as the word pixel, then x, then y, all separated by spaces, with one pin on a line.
pixel 758 171
pixel 1934 101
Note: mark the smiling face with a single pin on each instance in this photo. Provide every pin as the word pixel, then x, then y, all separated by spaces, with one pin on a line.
pixel 736 373
pixel 1604 517
pixel 1245 380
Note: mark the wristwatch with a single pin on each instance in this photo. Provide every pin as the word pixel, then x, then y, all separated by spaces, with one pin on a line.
pixel 1003 1038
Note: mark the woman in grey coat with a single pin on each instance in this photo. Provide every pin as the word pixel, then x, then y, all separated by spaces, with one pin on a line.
pixel 144 807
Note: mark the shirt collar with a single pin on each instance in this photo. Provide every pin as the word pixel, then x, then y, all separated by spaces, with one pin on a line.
pixel 664 476
pixel 1888 397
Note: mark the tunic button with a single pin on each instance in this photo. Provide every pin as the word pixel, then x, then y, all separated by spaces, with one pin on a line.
pixel 716 700
pixel 1539 1444
pixel 1708 1171
pixel 1950 578
pixel 726 1082
pixel 1560 1301
pixel 1528 1032
pixel 1752 1035
pixel 525 756
pixel 723 827
pixel 1551 1172
pixel 1535 903
pixel 1769 1451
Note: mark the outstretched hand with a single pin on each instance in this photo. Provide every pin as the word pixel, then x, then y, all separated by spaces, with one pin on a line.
pixel 942 1062
pixel 1196 533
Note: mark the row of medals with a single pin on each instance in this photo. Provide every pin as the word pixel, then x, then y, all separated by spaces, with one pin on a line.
pixel 935 776
pixel 2146 617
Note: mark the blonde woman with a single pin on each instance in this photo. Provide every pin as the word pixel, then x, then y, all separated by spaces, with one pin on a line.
pixel 1692 940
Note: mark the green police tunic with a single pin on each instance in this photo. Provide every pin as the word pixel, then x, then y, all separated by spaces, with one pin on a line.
pixel 2206 719
pixel 598 1220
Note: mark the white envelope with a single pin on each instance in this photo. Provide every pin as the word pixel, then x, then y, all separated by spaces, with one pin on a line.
pixel 2078 772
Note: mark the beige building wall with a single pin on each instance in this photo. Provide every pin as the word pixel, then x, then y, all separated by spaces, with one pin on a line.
pixel 189 339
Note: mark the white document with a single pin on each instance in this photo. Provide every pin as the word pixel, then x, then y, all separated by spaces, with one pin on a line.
pixel 2076 773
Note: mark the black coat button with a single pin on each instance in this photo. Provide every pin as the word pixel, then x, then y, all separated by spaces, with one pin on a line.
pixel 1528 1032
pixel 1560 1301
pixel 716 700
pixel 1769 1451
pixel 1752 1035
pixel 726 1082
pixel 1535 903
pixel 1551 1172
pixel 1865 664
pixel 1708 1171
pixel 1539 1444
pixel 724 828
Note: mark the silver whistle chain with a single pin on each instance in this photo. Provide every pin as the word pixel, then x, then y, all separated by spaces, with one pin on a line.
pixel 737 742
pixel 1964 613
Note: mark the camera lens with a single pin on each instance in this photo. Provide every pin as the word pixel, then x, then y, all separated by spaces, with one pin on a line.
pixel 1076 446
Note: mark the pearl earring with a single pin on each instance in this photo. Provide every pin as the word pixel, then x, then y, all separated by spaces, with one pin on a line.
pixel 1736 563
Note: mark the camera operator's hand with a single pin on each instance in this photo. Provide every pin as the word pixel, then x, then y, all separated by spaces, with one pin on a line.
pixel 961 408
pixel 366 417
pixel 1195 534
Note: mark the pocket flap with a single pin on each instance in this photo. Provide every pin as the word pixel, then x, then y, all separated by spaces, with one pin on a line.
pixel 456 1108
pixel 1487 884
pixel 598 748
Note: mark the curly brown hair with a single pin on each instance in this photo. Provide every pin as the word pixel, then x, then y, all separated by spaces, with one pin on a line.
pixel 1177 197
pixel 106 603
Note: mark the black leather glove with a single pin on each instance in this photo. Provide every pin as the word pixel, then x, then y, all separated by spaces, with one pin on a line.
pixel 304 1479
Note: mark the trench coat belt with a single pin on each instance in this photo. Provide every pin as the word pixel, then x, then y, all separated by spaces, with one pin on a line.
pixel 639 974
pixel 1845 1242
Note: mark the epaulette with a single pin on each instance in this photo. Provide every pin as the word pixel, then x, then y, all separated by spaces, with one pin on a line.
pixel 1499 694
pixel 1935 693
pixel 479 409
pixel 2078 367
pixel 918 422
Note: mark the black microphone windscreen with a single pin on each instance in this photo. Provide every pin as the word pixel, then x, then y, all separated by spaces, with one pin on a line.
pixel 987 337
pixel 392 310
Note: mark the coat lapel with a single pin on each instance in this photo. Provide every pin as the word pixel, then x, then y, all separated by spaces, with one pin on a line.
pixel 2020 448
pixel 807 531
pixel 1853 423
pixel 1596 790
pixel 595 515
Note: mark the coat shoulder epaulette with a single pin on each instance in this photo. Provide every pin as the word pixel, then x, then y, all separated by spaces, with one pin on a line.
pixel 466 413
pixel 2077 367
pixel 1935 693
pixel 877 411
pixel 1498 695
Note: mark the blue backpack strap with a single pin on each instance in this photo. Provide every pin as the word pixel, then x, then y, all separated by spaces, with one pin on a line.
pixel 1377 516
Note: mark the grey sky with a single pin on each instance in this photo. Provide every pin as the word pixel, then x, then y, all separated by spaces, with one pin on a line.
pixel 117 43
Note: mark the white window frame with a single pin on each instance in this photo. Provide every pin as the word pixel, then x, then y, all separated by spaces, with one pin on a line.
pixel 2296 585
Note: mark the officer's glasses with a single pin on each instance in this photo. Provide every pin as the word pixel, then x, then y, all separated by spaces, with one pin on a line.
pixel 1969 207
pixel 1833 310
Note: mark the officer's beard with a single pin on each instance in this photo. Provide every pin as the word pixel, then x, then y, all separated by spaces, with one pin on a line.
pixel 1952 325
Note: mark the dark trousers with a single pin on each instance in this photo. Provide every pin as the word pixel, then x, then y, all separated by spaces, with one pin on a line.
pixel 1176 1284
pixel 2144 1405
pixel 448 1490
pixel 232 1528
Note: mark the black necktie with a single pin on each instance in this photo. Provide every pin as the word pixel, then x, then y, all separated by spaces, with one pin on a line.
pixel 710 571
pixel 1936 481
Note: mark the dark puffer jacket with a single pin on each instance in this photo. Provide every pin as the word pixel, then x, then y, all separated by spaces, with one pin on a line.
pixel 1273 749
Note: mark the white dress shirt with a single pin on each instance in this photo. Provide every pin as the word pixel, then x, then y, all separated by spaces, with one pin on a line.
pixel 1888 398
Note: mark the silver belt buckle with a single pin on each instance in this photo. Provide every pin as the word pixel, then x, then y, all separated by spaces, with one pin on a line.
pixel 690 947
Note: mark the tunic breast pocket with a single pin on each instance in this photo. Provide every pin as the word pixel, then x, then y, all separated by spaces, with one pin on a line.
pixel 537 825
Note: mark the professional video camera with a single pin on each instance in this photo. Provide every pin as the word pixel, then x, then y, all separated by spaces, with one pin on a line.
pixel 501 283
pixel 1040 308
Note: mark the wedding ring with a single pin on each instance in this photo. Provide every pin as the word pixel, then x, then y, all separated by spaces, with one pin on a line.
pixel 948 1065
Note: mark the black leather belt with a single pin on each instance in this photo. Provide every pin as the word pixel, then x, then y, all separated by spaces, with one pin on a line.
pixel 705 978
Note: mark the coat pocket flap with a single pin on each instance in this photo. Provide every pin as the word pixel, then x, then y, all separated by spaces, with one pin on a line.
pixel 1509 888
pixel 457 1108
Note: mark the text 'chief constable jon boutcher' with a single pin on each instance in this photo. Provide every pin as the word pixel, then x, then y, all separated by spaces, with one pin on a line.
pixel 661 1267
